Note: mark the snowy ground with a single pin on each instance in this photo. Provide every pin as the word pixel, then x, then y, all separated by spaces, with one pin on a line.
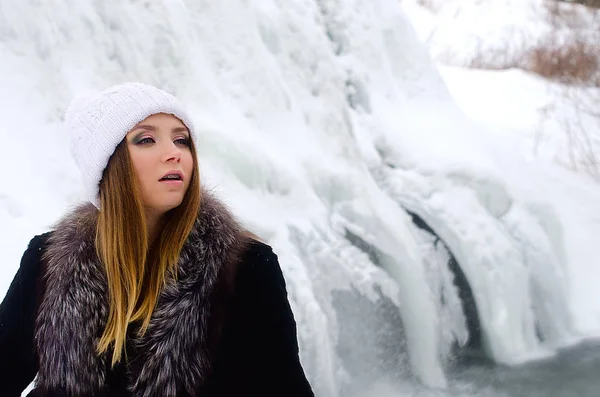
pixel 318 119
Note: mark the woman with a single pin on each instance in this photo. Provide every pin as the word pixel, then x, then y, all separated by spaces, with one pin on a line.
pixel 152 288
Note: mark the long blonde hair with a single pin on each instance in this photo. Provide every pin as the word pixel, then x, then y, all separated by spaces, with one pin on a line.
pixel 135 271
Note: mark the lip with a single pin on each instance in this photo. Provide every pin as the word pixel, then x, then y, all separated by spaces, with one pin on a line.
pixel 173 181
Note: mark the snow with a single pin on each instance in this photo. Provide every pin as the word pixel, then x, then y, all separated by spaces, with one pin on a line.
pixel 548 125
pixel 316 119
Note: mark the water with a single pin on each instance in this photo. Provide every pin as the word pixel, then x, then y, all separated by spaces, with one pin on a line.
pixel 374 351
pixel 574 372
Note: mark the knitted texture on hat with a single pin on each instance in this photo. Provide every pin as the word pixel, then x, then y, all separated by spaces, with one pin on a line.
pixel 97 123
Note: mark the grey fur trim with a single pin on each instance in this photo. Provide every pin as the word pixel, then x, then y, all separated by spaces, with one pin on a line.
pixel 172 357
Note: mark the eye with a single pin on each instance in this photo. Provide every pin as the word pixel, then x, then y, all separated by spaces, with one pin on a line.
pixel 145 141
pixel 183 141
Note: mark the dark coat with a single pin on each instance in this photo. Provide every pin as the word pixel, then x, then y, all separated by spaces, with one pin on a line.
pixel 224 328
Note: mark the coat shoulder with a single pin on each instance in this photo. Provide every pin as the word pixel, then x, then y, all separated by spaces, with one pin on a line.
pixel 260 260
pixel 260 273
pixel 31 261
pixel 38 242
pixel 257 250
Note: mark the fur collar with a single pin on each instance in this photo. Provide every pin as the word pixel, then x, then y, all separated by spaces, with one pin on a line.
pixel 173 357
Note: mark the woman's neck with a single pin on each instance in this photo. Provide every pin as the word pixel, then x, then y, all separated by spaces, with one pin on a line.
pixel 153 224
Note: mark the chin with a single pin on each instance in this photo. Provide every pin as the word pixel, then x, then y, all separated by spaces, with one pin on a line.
pixel 168 205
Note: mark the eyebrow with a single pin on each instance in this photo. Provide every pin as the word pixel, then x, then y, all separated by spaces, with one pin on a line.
pixel 153 128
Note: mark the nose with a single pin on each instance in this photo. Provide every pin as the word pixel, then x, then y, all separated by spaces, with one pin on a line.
pixel 172 154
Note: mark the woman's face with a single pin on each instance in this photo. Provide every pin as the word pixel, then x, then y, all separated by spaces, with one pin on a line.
pixel 159 147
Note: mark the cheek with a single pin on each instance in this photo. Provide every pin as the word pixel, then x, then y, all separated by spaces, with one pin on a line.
pixel 142 166
pixel 188 163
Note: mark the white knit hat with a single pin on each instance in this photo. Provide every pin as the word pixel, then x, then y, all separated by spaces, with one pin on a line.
pixel 97 123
